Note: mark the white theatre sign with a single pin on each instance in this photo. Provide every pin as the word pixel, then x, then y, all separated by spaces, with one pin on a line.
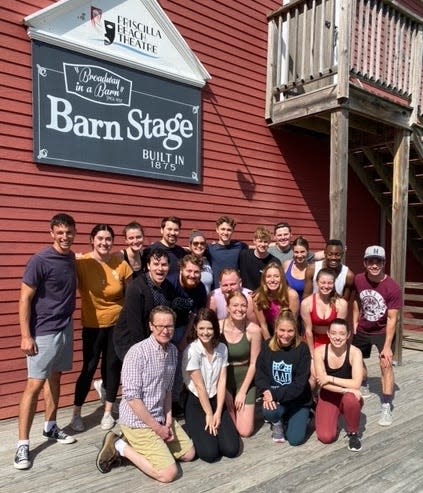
pixel 93 106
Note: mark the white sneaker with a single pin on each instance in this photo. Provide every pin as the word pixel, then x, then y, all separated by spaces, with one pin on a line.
pixel 385 415
pixel 107 422
pixel 77 423
pixel 101 391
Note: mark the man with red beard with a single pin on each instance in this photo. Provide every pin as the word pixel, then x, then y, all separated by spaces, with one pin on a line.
pixel 375 314
pixel 192 296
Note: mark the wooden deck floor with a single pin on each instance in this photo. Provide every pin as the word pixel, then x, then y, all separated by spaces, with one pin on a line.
pixel 391 459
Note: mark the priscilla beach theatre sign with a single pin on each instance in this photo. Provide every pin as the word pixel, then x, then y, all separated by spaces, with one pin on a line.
pixel 116 89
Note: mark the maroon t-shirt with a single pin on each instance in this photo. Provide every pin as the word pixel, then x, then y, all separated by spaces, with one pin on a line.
pixel 376 299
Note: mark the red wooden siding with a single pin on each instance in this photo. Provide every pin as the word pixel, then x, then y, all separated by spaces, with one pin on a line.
pixel 257 175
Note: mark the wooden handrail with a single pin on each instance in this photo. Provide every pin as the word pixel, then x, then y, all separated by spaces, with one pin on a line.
pixel 379 43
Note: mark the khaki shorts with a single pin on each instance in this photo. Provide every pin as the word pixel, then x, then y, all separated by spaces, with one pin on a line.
pixel 159 453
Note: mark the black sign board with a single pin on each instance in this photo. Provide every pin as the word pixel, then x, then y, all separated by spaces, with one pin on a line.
pixel 96 115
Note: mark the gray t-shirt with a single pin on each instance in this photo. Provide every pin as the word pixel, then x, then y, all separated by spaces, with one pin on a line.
pixel 287 254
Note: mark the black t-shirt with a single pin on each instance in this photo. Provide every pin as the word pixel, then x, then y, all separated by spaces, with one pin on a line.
pixel 251 268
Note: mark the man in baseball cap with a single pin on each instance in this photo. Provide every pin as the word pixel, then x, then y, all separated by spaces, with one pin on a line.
pixel 375 251
pixel 375 314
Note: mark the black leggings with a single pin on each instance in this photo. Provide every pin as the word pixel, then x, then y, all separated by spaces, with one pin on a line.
pixel 209 447
pixel 98 343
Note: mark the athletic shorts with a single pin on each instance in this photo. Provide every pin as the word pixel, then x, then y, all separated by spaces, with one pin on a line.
pixel 159 453
pixel 234 380
pixel 55 354
pixel 364 342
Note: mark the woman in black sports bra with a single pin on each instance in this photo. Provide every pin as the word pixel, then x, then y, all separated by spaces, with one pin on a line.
pixel 339 371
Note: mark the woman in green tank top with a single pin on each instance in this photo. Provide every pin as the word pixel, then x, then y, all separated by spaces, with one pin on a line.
pixel 243 339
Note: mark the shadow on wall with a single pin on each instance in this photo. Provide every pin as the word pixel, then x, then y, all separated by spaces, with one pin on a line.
pixel 245 178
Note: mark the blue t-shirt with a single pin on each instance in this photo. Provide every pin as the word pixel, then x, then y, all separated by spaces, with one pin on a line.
pixel 224 257
pixel 54 277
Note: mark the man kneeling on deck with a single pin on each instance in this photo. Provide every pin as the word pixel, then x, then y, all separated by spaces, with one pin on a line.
pixel 145 410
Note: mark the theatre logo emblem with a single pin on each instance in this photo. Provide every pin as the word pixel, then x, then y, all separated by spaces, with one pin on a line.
pixel 127 32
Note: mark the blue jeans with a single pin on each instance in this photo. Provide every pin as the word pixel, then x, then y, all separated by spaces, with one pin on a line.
pixel 295 419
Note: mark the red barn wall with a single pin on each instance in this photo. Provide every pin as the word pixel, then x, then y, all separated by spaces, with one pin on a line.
pixel 257 175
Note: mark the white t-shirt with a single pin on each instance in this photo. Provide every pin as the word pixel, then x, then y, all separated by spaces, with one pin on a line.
pixel 195 358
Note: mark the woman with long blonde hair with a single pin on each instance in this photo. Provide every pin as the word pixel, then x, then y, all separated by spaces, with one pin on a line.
pixel 273 296
pixel 282 379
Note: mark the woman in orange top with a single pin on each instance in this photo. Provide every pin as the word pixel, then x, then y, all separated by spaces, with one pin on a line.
pixel 102 278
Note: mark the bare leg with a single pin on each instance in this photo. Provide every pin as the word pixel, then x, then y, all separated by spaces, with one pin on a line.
pixel 364 372
pixel 245 420
pixel 51 396
pixel 387 380
pixel 28 405
pixel 108 407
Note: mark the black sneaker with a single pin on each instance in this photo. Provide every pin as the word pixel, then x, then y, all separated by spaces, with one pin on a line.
pixel 354 443
pixel 58 435
pixel 22 457
pixel 108 455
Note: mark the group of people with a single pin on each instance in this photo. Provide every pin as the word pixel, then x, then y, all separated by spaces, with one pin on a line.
pixel 209 332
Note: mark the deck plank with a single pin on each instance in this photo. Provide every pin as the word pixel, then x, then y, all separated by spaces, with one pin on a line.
pixel 390 461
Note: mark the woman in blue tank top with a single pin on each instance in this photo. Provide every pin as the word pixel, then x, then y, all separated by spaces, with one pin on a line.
pixel 295 268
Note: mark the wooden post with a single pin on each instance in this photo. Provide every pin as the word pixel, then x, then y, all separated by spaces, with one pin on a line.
pixel 272 63
pixel 338 185
pixel 344 51
pixel 416 71
pixel 399 221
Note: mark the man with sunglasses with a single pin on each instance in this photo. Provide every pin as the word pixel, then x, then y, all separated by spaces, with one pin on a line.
pixel 375 314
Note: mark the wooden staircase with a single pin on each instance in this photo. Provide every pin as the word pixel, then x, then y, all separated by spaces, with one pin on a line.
pixel 373 163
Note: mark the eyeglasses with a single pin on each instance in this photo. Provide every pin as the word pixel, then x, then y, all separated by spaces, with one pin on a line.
pixel 161 328
pixel 198 243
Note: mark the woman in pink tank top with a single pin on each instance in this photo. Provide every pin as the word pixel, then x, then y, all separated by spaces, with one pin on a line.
pixel 272 296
